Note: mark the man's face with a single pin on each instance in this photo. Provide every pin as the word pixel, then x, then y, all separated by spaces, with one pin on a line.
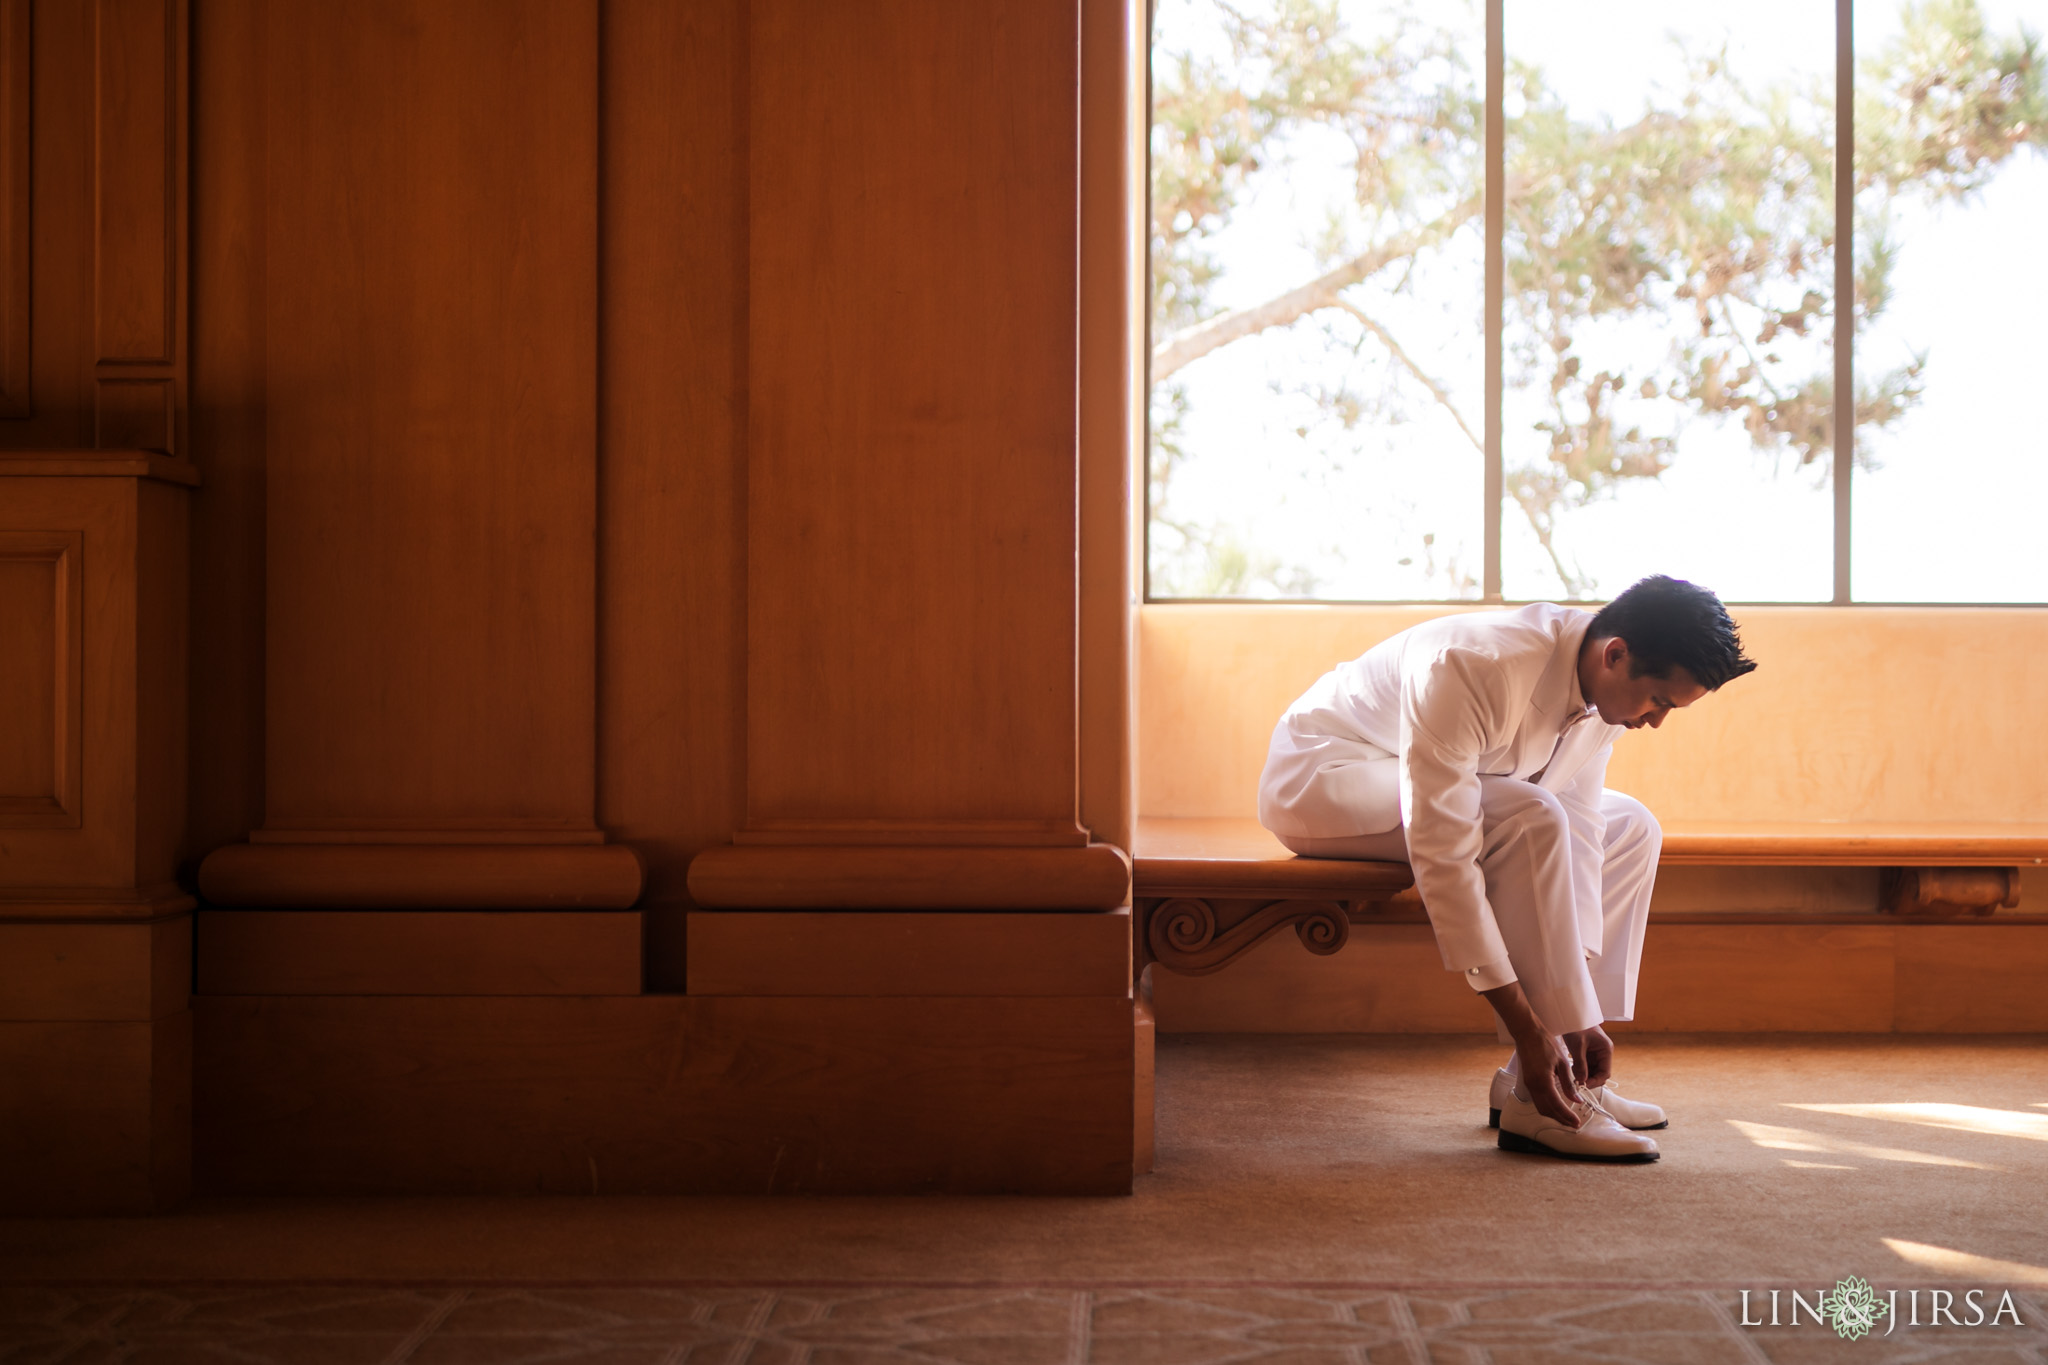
pixel 1623 699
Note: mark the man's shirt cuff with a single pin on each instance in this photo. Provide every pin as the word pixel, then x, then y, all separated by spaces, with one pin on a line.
pixel 1487 977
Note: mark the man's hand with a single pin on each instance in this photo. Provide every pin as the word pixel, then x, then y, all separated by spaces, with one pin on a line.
pixel 1592 1056
pixel 1540 1055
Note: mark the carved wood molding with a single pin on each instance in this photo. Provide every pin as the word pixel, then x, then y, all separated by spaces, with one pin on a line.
pixel 1185 934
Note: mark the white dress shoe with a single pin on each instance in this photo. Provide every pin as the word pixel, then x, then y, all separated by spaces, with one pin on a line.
pixel 1636 1115
pixel 1633 1114
pixel 1597 1138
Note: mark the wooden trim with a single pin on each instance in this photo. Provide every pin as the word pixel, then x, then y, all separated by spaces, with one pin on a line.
pixel 1789 844
pixel 1304 876
pixel 119 464
pixel 490 832
pixel 423 876
pixel 752 877
pixel 1055 833
pixel 91 904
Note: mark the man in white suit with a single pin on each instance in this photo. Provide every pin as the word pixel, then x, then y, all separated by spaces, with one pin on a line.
pixel 1474 747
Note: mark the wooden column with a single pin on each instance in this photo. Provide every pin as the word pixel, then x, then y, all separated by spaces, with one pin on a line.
pixel 912 664
pixel 95 934
pixel 430 381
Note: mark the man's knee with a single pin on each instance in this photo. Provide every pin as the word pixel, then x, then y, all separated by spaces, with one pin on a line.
pixel 1524 812
pixel 1630 825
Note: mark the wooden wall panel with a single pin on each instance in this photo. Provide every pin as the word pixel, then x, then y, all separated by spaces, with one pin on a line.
pixel 135 157
pixel 140 59
pixel 1781 978
pixel 102 661
pixel 41 649
pixel 162 589
pixel 138 414
pixel 17 66
pixel 672 642
pixel 431 308
pixel 1983 979
pixel 911 422
pixel 57 407
pixel 225 783
pixel 1974 977
pixel 1386 979
pixel 663 1094
pixel 1215 679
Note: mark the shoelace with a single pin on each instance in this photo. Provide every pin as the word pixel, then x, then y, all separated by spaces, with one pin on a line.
pixel 1587 1102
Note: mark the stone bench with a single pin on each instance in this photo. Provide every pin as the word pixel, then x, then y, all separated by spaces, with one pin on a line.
pixel 1206 890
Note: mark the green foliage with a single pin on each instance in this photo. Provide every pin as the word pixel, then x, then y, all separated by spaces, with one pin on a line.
pixel 1707 225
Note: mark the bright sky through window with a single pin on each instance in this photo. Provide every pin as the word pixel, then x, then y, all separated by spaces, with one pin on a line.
pixel 1666 404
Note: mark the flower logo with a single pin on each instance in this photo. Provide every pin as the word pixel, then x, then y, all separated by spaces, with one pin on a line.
pixel 1852 1308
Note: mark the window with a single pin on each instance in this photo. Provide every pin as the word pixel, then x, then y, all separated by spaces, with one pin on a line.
pixel 1664 334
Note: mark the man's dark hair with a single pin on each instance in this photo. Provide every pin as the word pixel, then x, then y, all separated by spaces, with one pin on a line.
pixel 1668 621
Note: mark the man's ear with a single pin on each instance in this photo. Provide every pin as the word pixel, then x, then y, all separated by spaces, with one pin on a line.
pixel 1614 653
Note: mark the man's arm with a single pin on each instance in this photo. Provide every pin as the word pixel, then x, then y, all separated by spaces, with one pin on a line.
pixel 1451 704
pixel 1449 708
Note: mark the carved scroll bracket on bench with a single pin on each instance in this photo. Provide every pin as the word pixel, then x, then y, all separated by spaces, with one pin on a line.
pixel 1183 934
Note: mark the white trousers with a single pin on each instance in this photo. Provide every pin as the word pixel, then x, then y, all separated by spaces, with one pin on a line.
pixel 1576 951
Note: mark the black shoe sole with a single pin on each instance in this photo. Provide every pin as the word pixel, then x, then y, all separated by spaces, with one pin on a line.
pixel 1515 1142
pixel 1493 1121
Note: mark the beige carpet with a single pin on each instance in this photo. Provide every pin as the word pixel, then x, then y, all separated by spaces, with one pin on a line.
pixel 1316 1199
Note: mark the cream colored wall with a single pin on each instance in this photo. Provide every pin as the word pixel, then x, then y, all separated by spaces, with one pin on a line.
pixel 1855 713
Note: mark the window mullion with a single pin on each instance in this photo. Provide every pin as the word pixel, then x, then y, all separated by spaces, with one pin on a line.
pixel 1496 282
pixel 1844 405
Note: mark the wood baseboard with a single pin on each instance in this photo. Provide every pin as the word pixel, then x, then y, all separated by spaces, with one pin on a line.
pixel 663 1095
pixel 95 1116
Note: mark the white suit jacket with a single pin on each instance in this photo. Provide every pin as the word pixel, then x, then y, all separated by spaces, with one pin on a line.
pixel 1401 735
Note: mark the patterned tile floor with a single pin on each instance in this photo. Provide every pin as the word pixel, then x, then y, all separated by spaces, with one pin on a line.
pixel 704 1324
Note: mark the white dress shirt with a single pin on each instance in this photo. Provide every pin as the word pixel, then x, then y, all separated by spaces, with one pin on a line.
pixel 1400 736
